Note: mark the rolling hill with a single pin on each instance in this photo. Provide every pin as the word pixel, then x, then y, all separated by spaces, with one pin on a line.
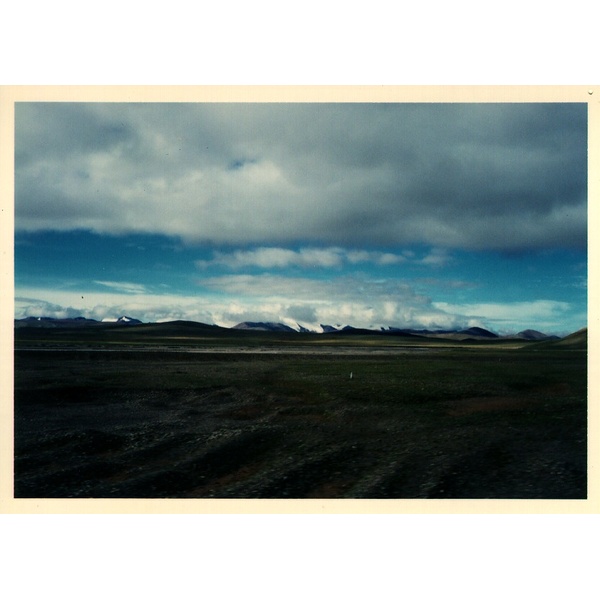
pixel 574 341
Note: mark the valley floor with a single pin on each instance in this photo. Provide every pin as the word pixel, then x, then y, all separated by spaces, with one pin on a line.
pixel 449 423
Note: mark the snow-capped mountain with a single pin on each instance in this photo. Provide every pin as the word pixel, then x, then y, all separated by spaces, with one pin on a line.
pixel 122 320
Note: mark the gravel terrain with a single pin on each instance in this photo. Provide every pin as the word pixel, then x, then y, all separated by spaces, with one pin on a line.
pixel 455 424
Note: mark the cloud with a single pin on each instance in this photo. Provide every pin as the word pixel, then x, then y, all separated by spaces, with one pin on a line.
pixel 282 258
pixel 452 284
pixel 355 300
pixel 485 176
pixel 100 305
pixel 267 258
pixel 438 257
pixel 124 286
pixel 303 314
pixel 227 300
pixel 357 286
pixel 512 315
pixel 35 307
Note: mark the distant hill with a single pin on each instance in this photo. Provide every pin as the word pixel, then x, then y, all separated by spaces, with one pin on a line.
pixel 260 326
pixel 574 341
pixel 178 328
pixel 51 322
pixel 419 331
pixel 532 334
pixel 349 330
pixel 478 332
pixel 473 333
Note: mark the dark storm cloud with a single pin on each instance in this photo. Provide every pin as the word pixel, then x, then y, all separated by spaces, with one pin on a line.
pixel 501 176
pixel 57 130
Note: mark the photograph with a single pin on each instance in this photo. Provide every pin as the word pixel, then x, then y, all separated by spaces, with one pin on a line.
pixel 347 294
pixel 299 300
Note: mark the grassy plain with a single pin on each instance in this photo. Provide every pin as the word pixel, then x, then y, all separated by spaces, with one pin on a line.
pixel 132 414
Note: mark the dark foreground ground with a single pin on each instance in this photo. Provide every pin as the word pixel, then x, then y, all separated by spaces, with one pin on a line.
pixel 439 423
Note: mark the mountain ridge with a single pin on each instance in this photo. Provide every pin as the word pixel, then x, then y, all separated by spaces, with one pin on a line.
pixel 471 333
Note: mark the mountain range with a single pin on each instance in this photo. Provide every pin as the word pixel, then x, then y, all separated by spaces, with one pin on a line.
pixel 472 333
pixel 51 322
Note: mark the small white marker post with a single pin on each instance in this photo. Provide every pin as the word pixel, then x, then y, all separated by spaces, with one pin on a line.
pixel 350 374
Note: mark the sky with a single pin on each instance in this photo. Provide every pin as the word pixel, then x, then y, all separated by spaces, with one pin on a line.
pixel 427 216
